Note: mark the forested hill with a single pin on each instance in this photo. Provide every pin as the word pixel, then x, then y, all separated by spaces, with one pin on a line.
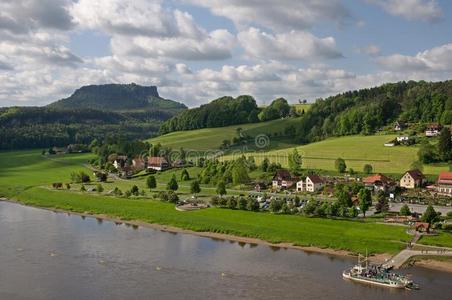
pixel 117 97
pixel 218 113
pixel 365 111
pixel 92 112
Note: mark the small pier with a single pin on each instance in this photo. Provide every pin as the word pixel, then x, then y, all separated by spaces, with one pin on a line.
pixel 402 257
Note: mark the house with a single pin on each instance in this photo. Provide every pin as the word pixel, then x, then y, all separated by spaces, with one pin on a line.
pixel 399 126
pixel 59 150
pixel 260 186
pixel 413 179
pixel 138 164
pixel 312 184
pixel 378 182
pixel 283 180
pixel 422 227
pixel 444 184
pixel 120 161
pixel 157 163
pixel 126 171
pixel 433 130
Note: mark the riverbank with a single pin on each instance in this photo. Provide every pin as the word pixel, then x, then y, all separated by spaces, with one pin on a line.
pixel 377 258
pixel 431 262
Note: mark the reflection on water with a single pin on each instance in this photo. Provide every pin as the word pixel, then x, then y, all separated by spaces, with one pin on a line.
pixel 45 255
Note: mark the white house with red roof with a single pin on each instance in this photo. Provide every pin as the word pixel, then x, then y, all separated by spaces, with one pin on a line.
pixel 444 185
pixel 157 163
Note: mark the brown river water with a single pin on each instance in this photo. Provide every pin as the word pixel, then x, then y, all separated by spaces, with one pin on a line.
pixel 47 255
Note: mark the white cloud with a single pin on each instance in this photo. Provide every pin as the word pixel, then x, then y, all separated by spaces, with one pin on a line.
pixel 438 59
pixel 279 15
pixel 371 50
pixel 425 10
pixel 291 45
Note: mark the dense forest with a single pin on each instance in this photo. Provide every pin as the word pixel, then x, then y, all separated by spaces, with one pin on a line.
pixel 40 127
pixel 218 113
pixel 227 111
pixel 366 111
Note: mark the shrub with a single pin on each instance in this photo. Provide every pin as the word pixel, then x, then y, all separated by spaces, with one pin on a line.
pixel 99 188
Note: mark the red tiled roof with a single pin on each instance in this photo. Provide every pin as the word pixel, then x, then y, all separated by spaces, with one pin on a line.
pixel 434 127
pixel 445 178
pixel 416 174
pixel 282 175
pixel 377 177
pixel 156 161
pixel 315 179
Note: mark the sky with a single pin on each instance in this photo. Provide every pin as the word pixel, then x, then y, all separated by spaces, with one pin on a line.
pixel 199 50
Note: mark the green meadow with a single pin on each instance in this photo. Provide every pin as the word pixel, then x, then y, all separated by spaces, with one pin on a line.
pixel 356 150
pixel 211 138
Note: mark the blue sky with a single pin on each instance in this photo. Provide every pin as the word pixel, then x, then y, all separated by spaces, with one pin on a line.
pixel 199 50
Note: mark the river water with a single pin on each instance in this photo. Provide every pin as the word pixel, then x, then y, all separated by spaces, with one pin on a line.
pixel 47 255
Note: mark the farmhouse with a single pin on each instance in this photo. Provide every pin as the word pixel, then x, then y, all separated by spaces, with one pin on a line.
pixel 422 227
pixel 312 184
pixel 120 161
pixel 412 179
pixel 433 130
pixel 403 138
pixel 157 163
pixel 399 126
pixel 283 180
pixel 445 183
pixel 378 182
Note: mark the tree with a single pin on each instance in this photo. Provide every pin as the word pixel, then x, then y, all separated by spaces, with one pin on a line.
pixel 430 215
pixel 99 188
pixel 252 204
pixel 382 203
pixel 264 165
pixel 151 182
pixel 221 188
pixel 445 145
pixel 195 188
pixel 295 161
pixel 242 203
pixel 172 197
pixel 184 176
pixel 368 169
pixel 275 205
pixel 232 203
pixel 365 200
pixel 343 197
pixel 172 184
pixel 405 210
pixel 340 165
pixel 134 190
pixel 239 173
pixel 427 153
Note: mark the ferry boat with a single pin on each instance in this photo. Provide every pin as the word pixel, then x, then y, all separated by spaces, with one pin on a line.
pixel 363 272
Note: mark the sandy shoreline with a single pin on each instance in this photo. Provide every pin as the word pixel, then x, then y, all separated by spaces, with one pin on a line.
pixel 378 258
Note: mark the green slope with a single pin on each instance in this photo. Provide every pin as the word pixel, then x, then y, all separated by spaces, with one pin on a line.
pixel 211 138
pixel 357 151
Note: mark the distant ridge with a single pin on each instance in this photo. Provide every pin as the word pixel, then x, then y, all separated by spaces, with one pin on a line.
pixel 117 97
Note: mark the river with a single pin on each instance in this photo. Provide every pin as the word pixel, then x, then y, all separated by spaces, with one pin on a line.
pixel 47 255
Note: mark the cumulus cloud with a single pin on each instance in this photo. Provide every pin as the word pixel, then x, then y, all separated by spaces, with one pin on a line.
pixel 23 16
pixel 438 59
pixel 290 45
pixel 278 15
pixel 425 10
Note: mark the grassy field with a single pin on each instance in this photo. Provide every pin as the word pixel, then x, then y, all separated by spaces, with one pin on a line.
pixel 211 138
pixel 357 151
pixel 301 107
